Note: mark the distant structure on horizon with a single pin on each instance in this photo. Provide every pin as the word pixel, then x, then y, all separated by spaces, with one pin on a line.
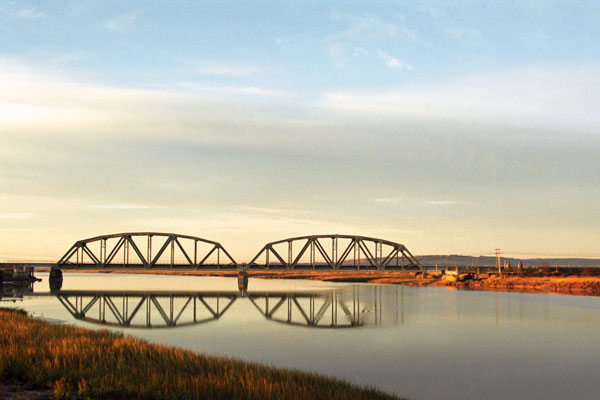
pixel 455 260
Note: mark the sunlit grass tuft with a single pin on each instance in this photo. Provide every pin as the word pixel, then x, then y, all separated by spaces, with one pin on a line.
pixel 79 363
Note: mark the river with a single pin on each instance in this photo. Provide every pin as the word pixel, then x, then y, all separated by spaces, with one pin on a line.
pixel 417 342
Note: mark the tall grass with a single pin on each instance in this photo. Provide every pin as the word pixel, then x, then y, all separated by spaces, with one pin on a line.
pixel 78 362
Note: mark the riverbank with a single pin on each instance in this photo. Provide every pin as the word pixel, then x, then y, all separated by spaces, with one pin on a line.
pixel 565 285
pixel 566 281
pixel 63 361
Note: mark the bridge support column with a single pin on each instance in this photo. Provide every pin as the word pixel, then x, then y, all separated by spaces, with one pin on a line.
pixel 242 281
pixel 55 279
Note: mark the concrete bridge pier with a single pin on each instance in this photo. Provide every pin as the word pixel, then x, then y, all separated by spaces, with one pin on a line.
pixel 242 281
pixel 55 279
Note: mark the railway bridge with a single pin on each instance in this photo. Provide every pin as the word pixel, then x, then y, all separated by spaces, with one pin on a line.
pixel 157 250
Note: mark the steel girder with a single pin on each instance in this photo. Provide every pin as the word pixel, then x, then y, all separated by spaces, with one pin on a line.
pixel 106 256
pixel 356 254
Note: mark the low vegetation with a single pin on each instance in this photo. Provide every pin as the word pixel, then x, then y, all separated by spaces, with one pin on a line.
pixel 79 363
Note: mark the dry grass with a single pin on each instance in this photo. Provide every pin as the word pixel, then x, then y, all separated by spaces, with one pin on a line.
pixel 80 363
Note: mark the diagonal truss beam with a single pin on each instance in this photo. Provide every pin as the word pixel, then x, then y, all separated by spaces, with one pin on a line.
pixel 137 250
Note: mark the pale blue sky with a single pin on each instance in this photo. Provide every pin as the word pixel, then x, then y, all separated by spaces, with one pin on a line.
pixel 451 127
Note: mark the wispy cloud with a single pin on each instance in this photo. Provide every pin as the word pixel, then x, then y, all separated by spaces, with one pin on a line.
pixel 559 97
pixel 365 28
pixel 28 13
pixel 217 92
pixel 122 22
pixel 35 101
pixel 276 211
pixel 233 71
pixel 444 202
pixel 464 33
pixel 415 201
pixel 126 206
pixel 16 216
pixel 389 199
pixel 364 33
pixel 393 62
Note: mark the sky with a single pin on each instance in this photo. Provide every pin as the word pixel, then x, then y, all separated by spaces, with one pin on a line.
pixel 451 127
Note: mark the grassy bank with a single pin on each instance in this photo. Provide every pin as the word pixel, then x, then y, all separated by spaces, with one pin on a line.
pixel 72 361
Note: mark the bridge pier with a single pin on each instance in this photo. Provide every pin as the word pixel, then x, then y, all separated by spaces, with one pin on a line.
pixel 242 281
pixel 56 279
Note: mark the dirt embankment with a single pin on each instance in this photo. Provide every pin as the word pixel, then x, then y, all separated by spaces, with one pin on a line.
pixel 574 281
pixel 576 285
pixel 551 283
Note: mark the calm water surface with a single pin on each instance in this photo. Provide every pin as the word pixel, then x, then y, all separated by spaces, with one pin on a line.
pixel 422 343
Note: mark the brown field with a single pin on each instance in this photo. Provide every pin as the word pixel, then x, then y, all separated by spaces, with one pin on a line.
pixel 42 360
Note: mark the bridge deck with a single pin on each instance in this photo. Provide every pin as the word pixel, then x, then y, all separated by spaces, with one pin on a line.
pixel 186 267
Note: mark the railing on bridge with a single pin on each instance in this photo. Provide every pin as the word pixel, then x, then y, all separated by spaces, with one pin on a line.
pixel 115 251
pixel 357 252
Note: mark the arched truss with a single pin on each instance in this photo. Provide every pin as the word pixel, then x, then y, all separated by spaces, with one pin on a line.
pixel 146 309
pixel 334 252
pixel 136 249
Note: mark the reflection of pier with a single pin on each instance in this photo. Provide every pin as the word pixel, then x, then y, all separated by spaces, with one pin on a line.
pixel 347 308
pixel 14 292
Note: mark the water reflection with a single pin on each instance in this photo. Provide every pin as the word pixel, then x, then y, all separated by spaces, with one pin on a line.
pixel 337 309
pixel 14 292
pixel 169 309
pixel 472 345
pixel 137 309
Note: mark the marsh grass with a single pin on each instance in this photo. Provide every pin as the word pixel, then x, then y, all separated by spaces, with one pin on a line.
pixel 76 362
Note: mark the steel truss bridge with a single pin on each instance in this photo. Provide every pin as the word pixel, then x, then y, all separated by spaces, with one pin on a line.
pixel 164 309
pixel 332 252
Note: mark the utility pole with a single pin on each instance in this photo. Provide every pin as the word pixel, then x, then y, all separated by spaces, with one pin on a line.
pixel 498 261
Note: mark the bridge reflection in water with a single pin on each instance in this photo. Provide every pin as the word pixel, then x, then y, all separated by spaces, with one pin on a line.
pixel 13 293
pixel 349 308
pixel 136 309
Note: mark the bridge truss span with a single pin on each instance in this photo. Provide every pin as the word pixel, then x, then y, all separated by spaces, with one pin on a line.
pixel 334 252
pixel 146 250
